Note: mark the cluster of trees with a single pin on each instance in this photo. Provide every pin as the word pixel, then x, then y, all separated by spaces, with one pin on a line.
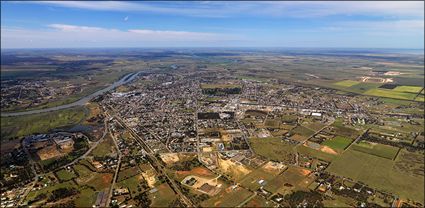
pixel 61 193
pixel 187 165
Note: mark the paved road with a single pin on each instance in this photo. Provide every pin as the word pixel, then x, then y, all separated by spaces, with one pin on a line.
pixel 116 170
pixel 126 79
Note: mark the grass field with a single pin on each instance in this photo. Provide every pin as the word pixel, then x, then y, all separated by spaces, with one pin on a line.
pixel 390 94
pixel 131 183
pixel 163 197
pixel 272 148
pixel 82 170
pixel 412 89
pixel 258 201
pixel 86 198
pixel 251 180
pixel 295 176
pixel 34 193
pixel 315 153
pixel 303 131
pixel 346 83
pixel 378 173
pixel 380 150
pixel 101 181
pixel 18 126
pixel 228 198
pixel 65 175
pixel 104 148
pixel 338 142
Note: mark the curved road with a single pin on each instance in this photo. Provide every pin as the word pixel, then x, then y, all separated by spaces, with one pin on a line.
pixel 126 79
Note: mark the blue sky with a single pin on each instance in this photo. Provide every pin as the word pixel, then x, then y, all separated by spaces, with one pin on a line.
pixel 66 24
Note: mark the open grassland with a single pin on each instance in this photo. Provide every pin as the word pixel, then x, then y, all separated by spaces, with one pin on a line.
pixel 34 193
pixel 132 184
pixel 380 150
pixel 18 126
pixel 251 181
pixel 163 197
pixel 412 89
pixel 346 83
pixel 378 173
pixel 258 201
pixel 272 148
pixel 293 178
pixel 86 198
pixel 65 175
pixel 338 142
pixel 390 94
pixel 303 131
pixel 104 148
pixel 315 153
pixel 230 197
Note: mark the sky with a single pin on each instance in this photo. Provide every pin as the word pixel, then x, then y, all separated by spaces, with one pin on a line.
pixel 329 24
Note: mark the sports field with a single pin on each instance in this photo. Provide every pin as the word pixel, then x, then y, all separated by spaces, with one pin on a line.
pixel 379 173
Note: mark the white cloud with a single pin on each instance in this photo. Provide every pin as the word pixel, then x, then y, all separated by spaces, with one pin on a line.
pixel 284 8
pixel 63 35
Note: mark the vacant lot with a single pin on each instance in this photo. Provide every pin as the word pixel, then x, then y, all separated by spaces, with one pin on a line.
pixel 272 148
pixel 380 150
pixel 378 173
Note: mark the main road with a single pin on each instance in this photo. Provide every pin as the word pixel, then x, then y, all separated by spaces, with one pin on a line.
pixel 125 79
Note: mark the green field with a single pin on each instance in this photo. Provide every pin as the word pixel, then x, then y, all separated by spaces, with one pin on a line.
pixel 104 148
pixel 346 83
pixel 250 181
pixel 363 87
pixel 315 153
pixel 390 94
pixel 258 201
pixel 378 173
pixel 18 126
pixel 163 197
pixel 338 142
pixel 412 89
pixel 65 175
pixel 380 150
pixel 86 198
pixel 228 198
pixel 272 148
pixel 303 131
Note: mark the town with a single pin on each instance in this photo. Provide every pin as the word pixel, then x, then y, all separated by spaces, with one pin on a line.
pixel 209 139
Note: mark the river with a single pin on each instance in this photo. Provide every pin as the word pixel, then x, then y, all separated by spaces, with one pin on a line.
pixel 126 79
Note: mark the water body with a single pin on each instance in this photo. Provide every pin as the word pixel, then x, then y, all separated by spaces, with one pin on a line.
pixel 126 79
